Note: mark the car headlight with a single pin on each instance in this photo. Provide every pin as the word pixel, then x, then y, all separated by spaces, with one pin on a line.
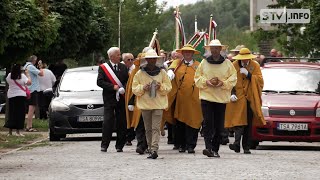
pixel 265 111
pixel 318 112
pixel 59 106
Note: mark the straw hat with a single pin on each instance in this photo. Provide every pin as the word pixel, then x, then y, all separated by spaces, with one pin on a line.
pixel 151 53
pixel 244 54
pixel 214 42
pixel 187 47
pixel 238 48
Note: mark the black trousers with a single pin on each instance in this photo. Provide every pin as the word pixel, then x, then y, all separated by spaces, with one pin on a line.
pixel 170 132
pixel 130 134
pixel 213 126
pixel 114 114
pixel 17 112
pixel 244 131
pixel 43 102
pixel 186 136
pixel 141 135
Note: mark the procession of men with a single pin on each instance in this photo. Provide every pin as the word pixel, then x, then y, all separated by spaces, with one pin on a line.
pixel 142 96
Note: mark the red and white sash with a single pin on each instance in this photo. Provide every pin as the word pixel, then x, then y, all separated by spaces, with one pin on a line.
pixel 109 72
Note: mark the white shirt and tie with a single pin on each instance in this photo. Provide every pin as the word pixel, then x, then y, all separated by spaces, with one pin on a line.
pixel 115 66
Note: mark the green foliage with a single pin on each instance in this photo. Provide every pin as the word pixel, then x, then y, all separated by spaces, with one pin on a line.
pixel 15 142
pixel 6 23
pixel 73 33
pixel 31 32
pixel 300 44
pixel 139 19
pixel 98 37
pixel 232 37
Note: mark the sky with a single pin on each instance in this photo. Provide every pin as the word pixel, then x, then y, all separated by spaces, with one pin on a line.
pixel 177 2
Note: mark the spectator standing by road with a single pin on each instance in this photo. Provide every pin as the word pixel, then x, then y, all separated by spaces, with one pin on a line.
pixel 17 97
pixel 34 88
pixel 46 81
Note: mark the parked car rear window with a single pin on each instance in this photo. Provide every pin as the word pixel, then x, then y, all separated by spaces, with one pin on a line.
pixel 291 79
pixel 80 81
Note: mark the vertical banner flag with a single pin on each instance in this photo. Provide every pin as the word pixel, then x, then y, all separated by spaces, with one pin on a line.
pixel 181 28
pixel 214 27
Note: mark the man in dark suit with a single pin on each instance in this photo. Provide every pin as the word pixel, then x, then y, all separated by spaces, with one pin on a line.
pixel 112 78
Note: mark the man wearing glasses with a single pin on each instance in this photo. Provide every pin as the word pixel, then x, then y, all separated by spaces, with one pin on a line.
pixel 127 59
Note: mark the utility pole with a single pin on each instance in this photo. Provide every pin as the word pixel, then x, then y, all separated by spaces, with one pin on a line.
pixel 119 25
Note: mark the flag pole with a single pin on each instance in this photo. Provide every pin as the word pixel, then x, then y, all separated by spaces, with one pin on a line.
pixel 195 24
pixel 210 28
pixel 177 29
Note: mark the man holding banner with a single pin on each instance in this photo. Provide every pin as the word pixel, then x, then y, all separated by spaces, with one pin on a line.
pixel 112 78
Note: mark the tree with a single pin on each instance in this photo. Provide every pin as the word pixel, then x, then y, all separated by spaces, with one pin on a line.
pixel 74 30
pixel 29 30
pixel 299 44
pixel 139 19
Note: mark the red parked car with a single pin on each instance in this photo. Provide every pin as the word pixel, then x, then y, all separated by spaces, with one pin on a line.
pixel 290 103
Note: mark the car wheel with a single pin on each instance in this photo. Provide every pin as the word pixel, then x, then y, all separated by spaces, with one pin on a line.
pixel 254 144
pixel 62 135
pixel 53 137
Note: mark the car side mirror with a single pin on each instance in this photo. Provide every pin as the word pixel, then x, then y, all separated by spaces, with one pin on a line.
pixel 48 92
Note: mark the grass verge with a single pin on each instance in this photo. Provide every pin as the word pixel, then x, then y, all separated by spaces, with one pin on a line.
pixel 8 143
pixel 40 125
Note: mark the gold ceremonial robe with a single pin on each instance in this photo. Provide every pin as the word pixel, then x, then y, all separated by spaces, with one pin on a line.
pixel 133 117
pixel 246 89
pixel 184 102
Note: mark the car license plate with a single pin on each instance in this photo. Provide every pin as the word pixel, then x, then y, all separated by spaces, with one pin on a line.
pixel 90 118
pixel 293 126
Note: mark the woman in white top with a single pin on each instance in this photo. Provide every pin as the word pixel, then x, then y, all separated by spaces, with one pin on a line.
pixel 17 98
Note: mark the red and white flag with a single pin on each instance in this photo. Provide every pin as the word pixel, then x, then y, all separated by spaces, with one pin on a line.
pixel 214 28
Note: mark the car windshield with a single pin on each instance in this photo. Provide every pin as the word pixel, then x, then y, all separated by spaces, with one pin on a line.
pixel 291 80
pixel 80 81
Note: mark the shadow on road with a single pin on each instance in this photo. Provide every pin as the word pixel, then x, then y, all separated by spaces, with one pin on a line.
pixel 288 148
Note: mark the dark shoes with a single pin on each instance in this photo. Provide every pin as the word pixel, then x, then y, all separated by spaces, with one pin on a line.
pixel 216 154
pixel 210 153
pixel 175 148
pixel 246 151
pixel 234 147
pixel 182 150
pixel 139 151
pixel 225 141
pixel 191 151
pixel 103 149
pixel 153 155
pixel 207 152
pixel 119 150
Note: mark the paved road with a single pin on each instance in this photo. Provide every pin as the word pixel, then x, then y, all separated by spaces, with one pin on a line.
pixel 80 158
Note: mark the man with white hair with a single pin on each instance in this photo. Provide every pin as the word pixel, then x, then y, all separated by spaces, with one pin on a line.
pixel 128 59
pixel 112 78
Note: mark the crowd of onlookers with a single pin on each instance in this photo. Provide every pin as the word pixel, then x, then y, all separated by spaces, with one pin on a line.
pixel 27 84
